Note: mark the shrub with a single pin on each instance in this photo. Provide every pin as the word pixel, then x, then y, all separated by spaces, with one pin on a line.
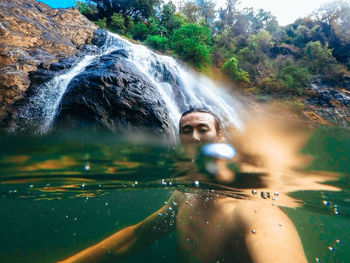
pixel 294 78
pixel 157 42
pixel 139 31
pixel 231 69
pixel 102 23
pixel 272 84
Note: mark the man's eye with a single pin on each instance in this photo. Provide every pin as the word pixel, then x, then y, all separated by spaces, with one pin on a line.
pixel 203 130
pixel 186 131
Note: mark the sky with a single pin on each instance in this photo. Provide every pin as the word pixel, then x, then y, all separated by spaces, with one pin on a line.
pixel 58 3
pixel 286 11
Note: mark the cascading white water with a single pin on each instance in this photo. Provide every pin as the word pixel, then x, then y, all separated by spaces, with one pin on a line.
pixel 186 90
pixel 192 90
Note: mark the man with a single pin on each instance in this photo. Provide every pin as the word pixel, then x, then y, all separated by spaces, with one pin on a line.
pixel 209 228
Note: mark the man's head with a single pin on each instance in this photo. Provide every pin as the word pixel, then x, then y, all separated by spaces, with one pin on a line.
pixel 199 126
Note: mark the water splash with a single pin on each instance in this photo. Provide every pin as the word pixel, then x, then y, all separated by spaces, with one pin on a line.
pixel 42 108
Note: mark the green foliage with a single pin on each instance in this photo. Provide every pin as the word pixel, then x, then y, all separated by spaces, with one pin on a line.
pixel 231 69
pixel 128 23
pixel 294 78
pixel 271 85
pixel 254 57
pixel 157 42
pixel 139 31
pixel 102 23
pixel 138 9
pixel 87 9
pixel 117 23
pixel 154 27
pixel 250 38
pixel 319 59
pixel 168 20
pixel 192 43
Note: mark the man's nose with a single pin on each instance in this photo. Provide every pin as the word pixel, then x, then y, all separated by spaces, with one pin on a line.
pixel 196 136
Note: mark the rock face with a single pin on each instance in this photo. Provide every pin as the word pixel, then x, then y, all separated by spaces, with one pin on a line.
pixel 330 103
pixel 33 34
pixel 112 94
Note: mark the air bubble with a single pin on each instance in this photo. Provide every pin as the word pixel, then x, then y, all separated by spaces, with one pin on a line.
pixel 318 260
pixel 254 231
pixel 331 248
pixel 325 202
pixel 254 192
pixel 31 186
pixel 87 166
pixel 159 214
pixel 276 193
pixel 196 183
pixel 339 241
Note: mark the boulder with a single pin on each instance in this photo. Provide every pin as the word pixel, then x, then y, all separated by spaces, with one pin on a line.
pixel 33 34
pixel 111 93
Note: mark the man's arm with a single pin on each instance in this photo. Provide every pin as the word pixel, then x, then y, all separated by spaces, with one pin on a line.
pixel 131 239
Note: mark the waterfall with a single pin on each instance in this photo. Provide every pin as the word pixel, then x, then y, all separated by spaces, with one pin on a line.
pixel 179 87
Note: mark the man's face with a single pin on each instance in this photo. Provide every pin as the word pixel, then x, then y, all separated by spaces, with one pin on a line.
pixel 198 127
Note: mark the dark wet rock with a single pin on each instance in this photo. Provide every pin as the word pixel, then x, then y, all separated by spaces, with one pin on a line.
pixel 121 52
pixel 112 94
pixel 99 38
pixel 330 103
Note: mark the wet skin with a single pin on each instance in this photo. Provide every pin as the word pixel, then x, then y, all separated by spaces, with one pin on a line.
pixel 209 228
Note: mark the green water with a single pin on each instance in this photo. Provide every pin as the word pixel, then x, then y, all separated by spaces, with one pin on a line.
pixel 64 192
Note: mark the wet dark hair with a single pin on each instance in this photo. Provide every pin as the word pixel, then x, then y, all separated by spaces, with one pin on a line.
pixel 192 110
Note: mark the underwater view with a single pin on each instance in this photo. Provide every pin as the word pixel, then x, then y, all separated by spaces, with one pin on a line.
pixel 65 192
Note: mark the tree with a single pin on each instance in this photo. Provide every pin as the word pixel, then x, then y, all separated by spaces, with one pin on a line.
pixel 207 11
pixel 191 11
pixel 168 20
pixel 87 9
pixel 137 9
pixel 192 43
pixel 117 23
pixel 319 59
